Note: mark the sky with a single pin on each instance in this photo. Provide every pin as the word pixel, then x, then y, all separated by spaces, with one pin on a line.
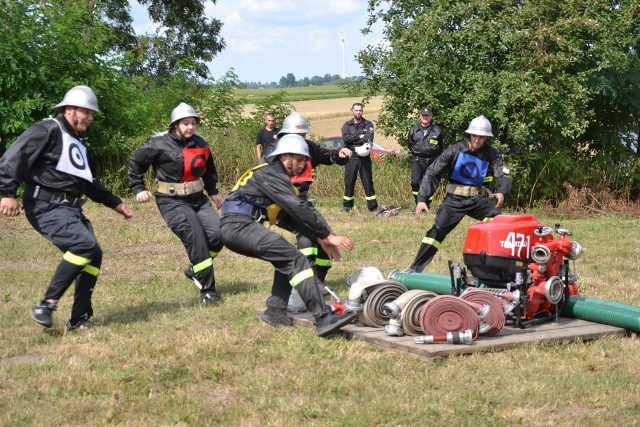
pixel 267 39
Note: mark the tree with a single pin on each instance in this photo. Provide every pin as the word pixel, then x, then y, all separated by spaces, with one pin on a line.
pixel 545 73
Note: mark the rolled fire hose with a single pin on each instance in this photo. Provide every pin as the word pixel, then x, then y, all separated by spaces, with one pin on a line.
pixel 359 292
pixel 446 313
pixel 593 310
pixel 495 318
pixel 404 312
pixel 373 313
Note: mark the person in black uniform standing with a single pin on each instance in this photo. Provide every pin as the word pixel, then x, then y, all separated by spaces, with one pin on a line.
pixel 357 135
pixel 266 192
pixel 53 162
pixel 267 137
pixel 295 123
pixel 184 168
pixel 425 142
pixel 470 163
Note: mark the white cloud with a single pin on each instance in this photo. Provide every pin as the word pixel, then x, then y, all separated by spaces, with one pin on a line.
pixel 267 39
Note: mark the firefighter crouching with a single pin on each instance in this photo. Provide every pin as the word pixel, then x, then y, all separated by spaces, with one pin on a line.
pixel 265 193
pixel 53 162
pixel 184 167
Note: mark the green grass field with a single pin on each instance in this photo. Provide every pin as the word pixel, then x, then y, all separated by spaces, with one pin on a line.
pixel 159 358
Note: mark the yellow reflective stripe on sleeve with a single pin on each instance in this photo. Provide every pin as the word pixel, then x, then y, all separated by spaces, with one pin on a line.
pixel 213 254
pixel 432 242
pixel 414 193
pixel 487 220
pixel 371 197
pixel 75 259
pixel 301 277
pixel 309 251
pixel 202 265
pixel 90 269
pixel 488 179
pixel 348 198
pixel 324 262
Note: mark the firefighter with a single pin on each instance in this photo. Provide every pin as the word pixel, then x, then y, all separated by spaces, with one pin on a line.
pixel 184 169
pixel 295 123
pixel 357 135
pixel 471 163
pixel 425 142
pixel 266 192
pixel 53 162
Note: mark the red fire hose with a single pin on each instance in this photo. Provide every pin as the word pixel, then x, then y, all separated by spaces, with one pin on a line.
pixel 446 313
pixel 495 319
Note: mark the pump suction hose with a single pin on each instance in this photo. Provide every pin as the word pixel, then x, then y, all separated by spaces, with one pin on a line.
pixel 446 313
pixel 605 312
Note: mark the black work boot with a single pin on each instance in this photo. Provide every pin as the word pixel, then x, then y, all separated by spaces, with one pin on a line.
pixel 210 296
pixel 326 322
pixel 333 322
pixel 276 317
pixel 41 313
pixel 81 324
pixel 276 312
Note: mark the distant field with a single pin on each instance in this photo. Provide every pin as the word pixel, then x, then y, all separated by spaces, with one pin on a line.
pixel 326 115
pixel 296 93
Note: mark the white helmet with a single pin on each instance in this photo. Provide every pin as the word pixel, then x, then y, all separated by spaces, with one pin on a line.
pixel 364 150
pixel 294 123
pixel 183 111
pixel 479 126
pixel 79 96
pixel 290 144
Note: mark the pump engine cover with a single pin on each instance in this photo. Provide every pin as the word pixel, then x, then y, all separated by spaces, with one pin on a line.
pixel 494 251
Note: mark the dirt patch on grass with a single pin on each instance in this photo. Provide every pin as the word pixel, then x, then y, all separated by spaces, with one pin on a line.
pixel 585 203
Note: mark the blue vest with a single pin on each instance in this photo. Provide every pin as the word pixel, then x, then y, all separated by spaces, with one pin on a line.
pixel 469 170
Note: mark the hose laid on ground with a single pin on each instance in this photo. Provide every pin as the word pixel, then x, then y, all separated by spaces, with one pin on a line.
pixel 605 312
pixel 446 313
pixel 495 319
pixel 593 310
pixel 373 313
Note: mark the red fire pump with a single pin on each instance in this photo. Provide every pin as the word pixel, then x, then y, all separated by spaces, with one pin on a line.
pixel 518 259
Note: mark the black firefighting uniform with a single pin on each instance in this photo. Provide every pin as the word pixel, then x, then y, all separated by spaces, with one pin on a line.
pixel 469 169
pixel 191 217
pixel 49 166
pixel 317 257
pixel 356 134
pixel 425 145
pixel 243 212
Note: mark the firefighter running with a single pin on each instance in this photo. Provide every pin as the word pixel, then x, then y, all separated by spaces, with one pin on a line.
pixel 53 161
pixel 183 166
pixel 266 193
pixel 471 163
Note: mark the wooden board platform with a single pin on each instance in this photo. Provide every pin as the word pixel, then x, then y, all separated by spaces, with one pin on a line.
pixel 565 329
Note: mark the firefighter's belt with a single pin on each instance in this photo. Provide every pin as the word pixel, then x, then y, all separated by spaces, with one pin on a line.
pixel 180 188
pixel 463 190
pixel 40 193
pixel 237 207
